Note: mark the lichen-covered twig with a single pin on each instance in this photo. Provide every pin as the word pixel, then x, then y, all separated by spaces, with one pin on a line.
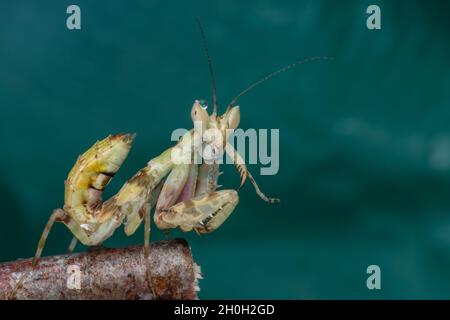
pixel 107 274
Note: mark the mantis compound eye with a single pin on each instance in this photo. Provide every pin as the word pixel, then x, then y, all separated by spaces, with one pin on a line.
pixel 203 104
pixel 234 117
pixel 199 114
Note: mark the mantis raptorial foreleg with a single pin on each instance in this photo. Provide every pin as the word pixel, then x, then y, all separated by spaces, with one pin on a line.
pixel 172 189
pixel 188 200
pixel 203 214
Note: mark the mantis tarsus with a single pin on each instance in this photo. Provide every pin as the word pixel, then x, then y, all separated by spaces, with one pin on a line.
pixel 187 199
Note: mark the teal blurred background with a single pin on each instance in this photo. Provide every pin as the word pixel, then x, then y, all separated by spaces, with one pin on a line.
pixel 365 142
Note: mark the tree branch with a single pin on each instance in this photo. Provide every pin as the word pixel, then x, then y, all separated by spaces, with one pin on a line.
pixel 107 274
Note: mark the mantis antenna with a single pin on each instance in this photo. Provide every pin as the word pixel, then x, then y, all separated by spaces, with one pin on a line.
pixel 210 65
pixel 273 74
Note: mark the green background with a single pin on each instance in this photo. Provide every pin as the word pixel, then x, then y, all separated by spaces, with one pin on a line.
pixel 364 140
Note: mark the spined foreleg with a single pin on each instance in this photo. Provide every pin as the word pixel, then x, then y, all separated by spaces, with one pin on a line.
pixel 203 214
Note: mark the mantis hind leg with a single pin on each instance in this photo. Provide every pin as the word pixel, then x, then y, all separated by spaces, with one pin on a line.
pixel 57 215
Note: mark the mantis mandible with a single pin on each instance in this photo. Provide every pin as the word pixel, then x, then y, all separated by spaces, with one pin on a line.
pixel 185 196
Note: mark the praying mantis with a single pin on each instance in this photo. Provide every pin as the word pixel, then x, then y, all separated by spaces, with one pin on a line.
pixel 184 195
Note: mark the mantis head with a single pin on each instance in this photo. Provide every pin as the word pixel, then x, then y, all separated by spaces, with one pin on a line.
pixel 215 130
pixel 229 120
